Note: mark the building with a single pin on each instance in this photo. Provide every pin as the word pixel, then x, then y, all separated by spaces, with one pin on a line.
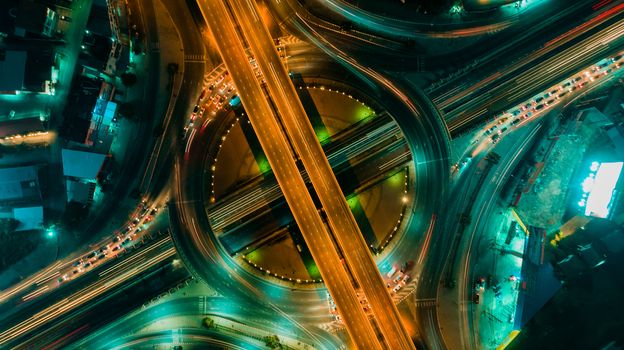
pixel 81 192
pixel 12 70
pixel 30 218
pixel 36 18
pixel 82 165
pixel 19 185
pixel 27 71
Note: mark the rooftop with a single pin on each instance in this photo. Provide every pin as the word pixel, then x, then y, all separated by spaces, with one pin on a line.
pixel 82 164
pixel 19 183
pixel 12 69
pixel 30 218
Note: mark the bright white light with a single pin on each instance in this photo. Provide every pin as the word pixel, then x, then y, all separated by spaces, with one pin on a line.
pixel 588 184
pixel 599 199
pixel 594 166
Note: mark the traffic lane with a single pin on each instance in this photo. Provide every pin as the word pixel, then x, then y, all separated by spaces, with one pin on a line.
pixel 186 306
pixel 496 179
pixel 274 144
pixel 310 151
pixel 516 88
pixel 111 307
pixel 565 39
pixel 25 310
pixel 86 297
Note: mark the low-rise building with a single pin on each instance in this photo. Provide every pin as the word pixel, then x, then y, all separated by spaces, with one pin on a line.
pixel 82 165
pixel 19 185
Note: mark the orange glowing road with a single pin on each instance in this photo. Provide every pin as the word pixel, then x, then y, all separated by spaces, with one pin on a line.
pixel 301 134
pixel 281 159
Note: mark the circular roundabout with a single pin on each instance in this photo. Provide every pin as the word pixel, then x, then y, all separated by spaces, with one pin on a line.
pixel 231 224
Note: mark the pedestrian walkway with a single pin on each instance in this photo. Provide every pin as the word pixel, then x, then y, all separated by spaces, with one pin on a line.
pixel 499 267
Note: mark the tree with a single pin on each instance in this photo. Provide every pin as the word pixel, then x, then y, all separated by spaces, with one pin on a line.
pixel 208 323
pixel 272 342
pixel 75 214
pixel 128 79
pixel 126 110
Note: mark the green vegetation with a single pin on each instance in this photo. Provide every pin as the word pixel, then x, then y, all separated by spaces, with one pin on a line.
pixel 75 214
pixel 272 342
pixel 208 323
pixel 128 79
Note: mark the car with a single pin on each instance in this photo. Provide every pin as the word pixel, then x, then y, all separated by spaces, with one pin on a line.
pixel 398 277
pixel 396 288
pixel 116 239
pixel 565 92
pixel 567 84
pixel 76 271
pixel 203 94
pixel 101 256
pixel 87 265
pixel 479 284
pixel 539 99
pixel 196 109
pixel 494 138
pixel 538 107
pixel 391 272
pixel 475 298
pixel 516 112
pixel 115 248
pixel 502 130
pixel 549 102
pixel 92 255
pixel 77 263
pixel 405 279
pixel 515 121
pixel 577 79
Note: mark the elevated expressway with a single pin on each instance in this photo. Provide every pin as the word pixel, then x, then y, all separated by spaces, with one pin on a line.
pixel 469 105
pixel 207 259
pixel 339 216
pixel 282 161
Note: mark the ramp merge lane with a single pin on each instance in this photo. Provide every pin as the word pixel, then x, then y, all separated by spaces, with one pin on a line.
pixel 301 133
pixel 282 161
